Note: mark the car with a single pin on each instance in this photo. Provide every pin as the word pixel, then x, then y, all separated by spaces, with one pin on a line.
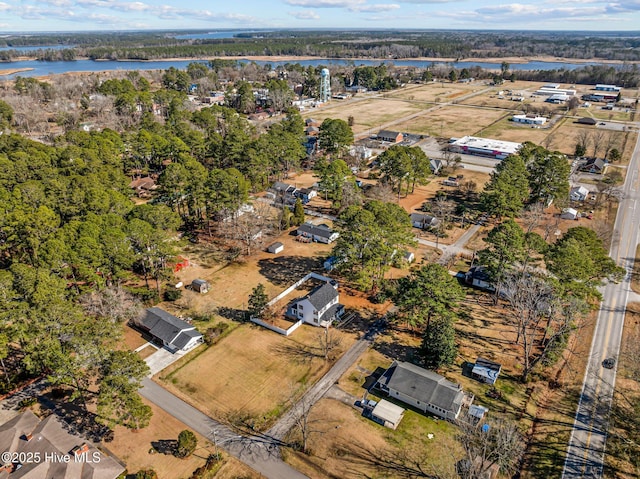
pixel 602 123
pixel 609 363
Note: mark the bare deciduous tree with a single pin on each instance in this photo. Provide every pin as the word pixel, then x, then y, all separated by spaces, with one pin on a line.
pixel 113 303
pixel 597 139
pixel 328 340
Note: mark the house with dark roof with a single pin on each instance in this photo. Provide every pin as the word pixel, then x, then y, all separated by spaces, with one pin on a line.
pixel 30 438
pixel 593 165
pixel 422 389
pixel 319 308
pixel 587 120
pixel 317 233
pixel 390 136
pixel 479 277
pixel 173 333
pixel 424 222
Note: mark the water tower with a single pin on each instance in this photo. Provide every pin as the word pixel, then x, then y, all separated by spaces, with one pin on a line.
pixel 325 85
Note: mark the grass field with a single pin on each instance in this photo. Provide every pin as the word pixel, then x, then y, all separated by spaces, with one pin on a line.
pixel 348 445
pixel 252 373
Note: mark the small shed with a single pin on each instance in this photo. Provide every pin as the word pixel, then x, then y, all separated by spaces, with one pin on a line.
pixel 486 371
pixel 275 248
pixel 569 214
pixel 409 257
pixel 387 414
pixel 200 286
pixel 477 412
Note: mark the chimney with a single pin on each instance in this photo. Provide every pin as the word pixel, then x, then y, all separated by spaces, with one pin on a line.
pixel 28 437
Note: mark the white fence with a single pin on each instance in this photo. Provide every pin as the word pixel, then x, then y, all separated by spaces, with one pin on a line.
pixel 284 332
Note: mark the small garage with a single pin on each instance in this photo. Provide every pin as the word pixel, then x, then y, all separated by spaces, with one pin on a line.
pixel 387 414
pixel 569 214
pixel 200 286
pixel 276 248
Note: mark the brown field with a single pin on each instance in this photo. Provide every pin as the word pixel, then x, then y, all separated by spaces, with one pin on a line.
pixel 450 121
pixel 252 372
pixel 132 447
pixel 368 114
pixel 348 445
pixel 506 130
pixel 434 92
pixel 132 338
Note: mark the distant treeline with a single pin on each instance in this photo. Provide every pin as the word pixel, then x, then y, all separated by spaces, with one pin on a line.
pixel 362 44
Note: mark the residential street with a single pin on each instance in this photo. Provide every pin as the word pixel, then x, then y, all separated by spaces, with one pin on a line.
pixel 585 453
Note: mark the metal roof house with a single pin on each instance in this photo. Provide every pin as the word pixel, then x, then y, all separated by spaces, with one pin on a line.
pixel 578 193
pixel 173 333
pixel 319 308
pixel 28 437
pixel 319 234
pixel 422 389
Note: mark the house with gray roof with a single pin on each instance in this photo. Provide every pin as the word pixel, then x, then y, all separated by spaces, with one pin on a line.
pixel 424 221
pixel 173 333
pixel 422 389
pixel 319 308
pixel 317 233
pixel 33 441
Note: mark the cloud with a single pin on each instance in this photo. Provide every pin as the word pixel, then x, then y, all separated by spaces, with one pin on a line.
pixel 325 3
pixel 4 7
pixel 308 15
pixel 380 7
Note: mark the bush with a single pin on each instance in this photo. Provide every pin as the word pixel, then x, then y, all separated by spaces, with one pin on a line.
pixel 27 402
pixel 212 333
pixel 172 294
pixel 187 443
pixel 146 474
pixel 147 296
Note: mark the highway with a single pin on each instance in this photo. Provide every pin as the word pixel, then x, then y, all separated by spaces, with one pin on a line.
pixel 586 449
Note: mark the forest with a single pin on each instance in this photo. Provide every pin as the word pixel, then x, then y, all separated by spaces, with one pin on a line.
pixel 388 44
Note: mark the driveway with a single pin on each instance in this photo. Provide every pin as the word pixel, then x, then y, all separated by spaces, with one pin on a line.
pixel 161 359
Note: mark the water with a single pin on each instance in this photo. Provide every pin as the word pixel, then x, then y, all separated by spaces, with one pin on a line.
pixel 32 48
pixel 40 68
pixel 204 36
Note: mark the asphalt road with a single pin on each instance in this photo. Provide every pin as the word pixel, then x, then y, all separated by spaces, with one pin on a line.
pixel 585 453
pixel 259 453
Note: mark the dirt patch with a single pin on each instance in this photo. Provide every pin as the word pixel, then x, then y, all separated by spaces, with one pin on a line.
pixel 132 338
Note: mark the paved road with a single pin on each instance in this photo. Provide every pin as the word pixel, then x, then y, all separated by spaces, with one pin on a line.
pixel 585 453
pixel 259 453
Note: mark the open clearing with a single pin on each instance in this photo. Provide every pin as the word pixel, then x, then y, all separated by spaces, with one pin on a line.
pixel 133 447
pixel 351 446
pixel 252 372
pixel 435 92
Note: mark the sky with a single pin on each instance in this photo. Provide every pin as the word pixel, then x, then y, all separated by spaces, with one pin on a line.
pixel 83 15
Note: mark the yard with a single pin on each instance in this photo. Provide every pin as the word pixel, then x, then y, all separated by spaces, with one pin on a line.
pixel 252 373
pixel 348 445
pixel 133 448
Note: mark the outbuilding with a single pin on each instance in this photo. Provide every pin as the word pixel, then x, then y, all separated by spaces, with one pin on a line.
pixel 578 193
pixel 387 414
pixel 200 286
pixel 276 248
pixel 486 371
pixel 569 214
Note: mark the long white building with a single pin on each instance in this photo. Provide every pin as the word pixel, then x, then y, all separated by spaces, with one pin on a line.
pixel 529 119
pixel 472 145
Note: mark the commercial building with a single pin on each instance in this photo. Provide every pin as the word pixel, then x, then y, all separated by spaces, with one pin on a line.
pixel 472 145
pixel 602 87
pixel 529 119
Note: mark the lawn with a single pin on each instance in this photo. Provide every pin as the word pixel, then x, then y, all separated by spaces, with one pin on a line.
pixel 347 445
pixel 435 92
pixel 133 448
pixel 252 373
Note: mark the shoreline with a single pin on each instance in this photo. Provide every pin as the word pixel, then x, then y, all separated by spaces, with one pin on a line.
pixel 293 59
pixel 11 71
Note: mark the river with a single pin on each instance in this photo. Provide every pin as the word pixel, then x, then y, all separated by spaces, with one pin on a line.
pixel 41 68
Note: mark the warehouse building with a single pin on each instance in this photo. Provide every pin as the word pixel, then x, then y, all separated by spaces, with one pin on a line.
pixel 472 145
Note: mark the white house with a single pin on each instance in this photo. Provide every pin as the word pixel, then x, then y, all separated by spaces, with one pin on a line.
pixel 529 119
pixel 319 308
pixel 569 214
pixel 173 333
pixel 479 277
pixel 276 248
pixel 422 389
pixel 578 193
pixel 422 221
pixel 319 233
